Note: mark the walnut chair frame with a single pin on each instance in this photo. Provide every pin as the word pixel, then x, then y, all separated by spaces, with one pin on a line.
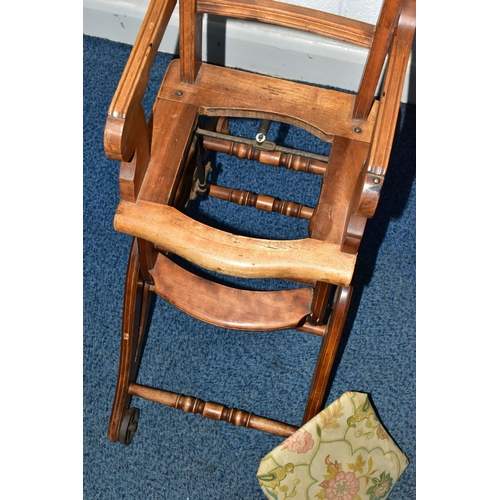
pixel 161 170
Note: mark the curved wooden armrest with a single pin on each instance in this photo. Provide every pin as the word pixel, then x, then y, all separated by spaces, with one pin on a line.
pixel 231 254
pixel 126 105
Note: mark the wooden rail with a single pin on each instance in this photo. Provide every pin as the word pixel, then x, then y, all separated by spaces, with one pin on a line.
pixel 231 254
pixel 277 157
pixel 215 411
pixel 293 16
pixel 261 202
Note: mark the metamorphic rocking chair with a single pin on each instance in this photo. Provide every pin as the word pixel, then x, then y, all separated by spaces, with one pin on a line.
pixel 162 169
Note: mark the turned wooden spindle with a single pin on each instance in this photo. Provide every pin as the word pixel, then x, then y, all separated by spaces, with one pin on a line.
pixel 261 202
pixel 214 411
pixel 273 158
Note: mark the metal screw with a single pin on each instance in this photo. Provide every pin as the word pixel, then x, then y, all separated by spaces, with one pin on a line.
pixel 179 92
pixel 376 180
pixel 357 130
pixel 262 130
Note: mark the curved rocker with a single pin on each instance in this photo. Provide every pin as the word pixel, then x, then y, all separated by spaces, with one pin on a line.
pixel 136 304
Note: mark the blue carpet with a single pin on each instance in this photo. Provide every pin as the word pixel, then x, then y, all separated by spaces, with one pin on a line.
pixel 175 455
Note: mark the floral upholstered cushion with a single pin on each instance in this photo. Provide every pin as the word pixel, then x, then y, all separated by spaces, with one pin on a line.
pixel 343 453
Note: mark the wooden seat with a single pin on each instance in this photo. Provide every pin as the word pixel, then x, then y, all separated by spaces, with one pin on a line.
pixel 163 169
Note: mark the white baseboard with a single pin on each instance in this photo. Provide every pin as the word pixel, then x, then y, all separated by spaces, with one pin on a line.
pixel 269 50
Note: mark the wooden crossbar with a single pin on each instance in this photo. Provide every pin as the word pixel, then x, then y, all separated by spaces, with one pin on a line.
pixel 293 16
pixel 212 410
pixel 261 202
pixel 231 254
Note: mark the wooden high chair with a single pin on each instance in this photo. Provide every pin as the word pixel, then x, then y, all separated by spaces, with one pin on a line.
pixel 162 169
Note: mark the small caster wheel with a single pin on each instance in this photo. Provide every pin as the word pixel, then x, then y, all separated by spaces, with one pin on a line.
pixel 128 425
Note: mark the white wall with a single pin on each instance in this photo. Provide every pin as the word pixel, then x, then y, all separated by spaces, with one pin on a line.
pixel 270 50
pixel 362 10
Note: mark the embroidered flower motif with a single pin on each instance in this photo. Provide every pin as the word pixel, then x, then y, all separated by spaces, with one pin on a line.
pixel 343 486
pixel 381 433
pixel 299 442
pixel 381 486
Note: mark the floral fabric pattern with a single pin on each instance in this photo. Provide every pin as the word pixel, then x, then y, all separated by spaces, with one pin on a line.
pixel 300 442
pixel 342 487
pixel 343 453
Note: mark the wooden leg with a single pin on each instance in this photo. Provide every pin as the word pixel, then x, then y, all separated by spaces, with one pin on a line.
pixel 327 352
pixel 137 298
pixel 320 302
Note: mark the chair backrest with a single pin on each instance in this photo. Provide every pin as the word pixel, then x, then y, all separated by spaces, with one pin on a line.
pixel 377 38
